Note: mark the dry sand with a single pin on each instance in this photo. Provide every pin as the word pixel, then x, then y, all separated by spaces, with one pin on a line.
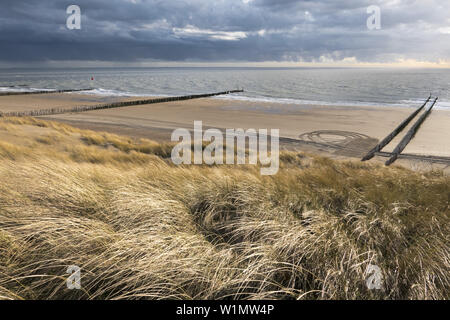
pixel 356 128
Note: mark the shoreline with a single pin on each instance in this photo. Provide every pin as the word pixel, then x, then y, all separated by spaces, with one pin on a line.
pixel 109 94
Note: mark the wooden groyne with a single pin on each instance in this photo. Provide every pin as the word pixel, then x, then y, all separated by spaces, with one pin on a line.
pixel 41 92
pixel 394 133
pixel 419 157
pixel 408 137
pixel 53 111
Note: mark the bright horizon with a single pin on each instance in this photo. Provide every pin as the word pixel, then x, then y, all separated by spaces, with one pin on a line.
pixel 267 64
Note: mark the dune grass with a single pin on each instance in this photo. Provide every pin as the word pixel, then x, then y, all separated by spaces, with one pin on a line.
pixel 140 227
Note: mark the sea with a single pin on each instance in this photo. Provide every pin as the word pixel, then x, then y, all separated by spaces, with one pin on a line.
pixel 295 86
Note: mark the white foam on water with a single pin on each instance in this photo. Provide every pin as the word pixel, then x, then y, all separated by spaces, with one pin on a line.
pixel 441 104
pixel 117 93
pixel 401 104
pixel 23 89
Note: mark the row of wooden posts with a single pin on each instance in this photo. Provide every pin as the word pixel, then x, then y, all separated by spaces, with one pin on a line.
pixel 52 111
pixel 406 139
pixel 409 135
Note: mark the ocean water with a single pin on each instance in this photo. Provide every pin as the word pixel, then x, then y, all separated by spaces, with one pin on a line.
pixel 326 86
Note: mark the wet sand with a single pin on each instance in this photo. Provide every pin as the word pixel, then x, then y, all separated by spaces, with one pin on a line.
pixel 52 100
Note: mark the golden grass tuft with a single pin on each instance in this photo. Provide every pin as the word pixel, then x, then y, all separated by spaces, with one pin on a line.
pixel 141 228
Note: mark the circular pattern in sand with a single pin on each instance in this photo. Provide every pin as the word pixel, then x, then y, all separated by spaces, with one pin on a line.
pixel 345 142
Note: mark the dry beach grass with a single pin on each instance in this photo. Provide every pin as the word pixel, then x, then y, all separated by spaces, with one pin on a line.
pixel 141 228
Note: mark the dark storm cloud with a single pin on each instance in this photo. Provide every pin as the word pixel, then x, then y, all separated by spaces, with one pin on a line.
pixel 231 30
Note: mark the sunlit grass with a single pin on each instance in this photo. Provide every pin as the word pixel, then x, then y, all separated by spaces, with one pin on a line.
pixel 141 228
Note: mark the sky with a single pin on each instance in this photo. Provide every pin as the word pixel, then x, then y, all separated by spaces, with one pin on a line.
pixel 225 32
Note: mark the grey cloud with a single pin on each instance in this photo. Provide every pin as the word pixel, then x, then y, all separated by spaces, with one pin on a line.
pixel 231 30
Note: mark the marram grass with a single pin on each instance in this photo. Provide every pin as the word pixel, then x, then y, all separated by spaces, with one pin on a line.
pixel 141 228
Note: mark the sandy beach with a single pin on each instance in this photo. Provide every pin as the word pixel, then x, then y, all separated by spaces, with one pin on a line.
pixel 320 128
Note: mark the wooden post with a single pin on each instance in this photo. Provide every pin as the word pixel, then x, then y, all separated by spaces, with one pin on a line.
pixel 112 105
pixel 394 133
pixel 408 137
